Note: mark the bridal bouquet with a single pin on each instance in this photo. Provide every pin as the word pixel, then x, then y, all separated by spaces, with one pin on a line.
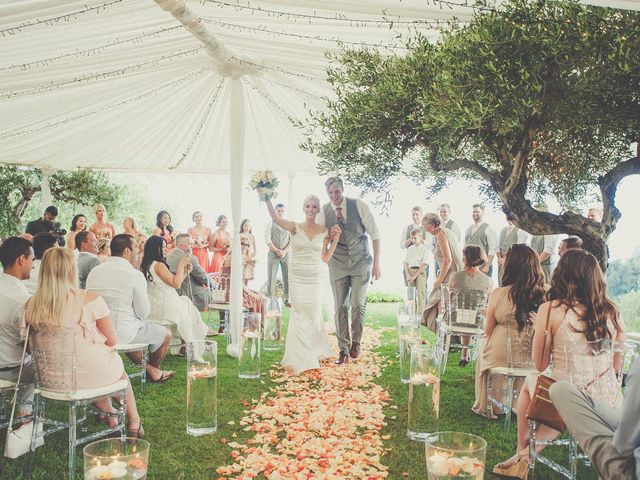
pixel 265 183
pixel 200 242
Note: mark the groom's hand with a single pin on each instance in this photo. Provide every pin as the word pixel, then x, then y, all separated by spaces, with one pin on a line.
pixel 375 271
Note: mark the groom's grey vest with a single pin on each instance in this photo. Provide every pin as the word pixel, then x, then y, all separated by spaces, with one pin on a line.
pixel 353 245
pixel 479 237
pixel 279 236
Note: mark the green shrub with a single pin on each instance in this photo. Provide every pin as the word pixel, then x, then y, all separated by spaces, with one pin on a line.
pixel 383 297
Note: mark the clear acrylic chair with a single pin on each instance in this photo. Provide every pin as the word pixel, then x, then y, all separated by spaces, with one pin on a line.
pixel 55 357
pixel 219 285
pixel 596 369
pixel 463 316
pixel 519 365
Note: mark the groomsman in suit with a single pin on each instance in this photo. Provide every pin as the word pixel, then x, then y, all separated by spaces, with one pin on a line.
pixel 279 242
pixel 351 265
pixel 545 247
pixel 508 236
pixel 406 240
pixel 197 276
pixel 444 212
pixel 482 235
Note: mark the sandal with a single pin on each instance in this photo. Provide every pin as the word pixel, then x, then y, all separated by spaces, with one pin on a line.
pixel 135 432
pixel 166 375
pixel 518 469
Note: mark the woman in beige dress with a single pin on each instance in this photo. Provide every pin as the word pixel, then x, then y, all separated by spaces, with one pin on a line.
pixel 511 308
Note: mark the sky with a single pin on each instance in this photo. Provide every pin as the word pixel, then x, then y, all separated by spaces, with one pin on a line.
pixel 182 194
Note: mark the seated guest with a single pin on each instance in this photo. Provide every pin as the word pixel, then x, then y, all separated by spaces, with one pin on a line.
pixel 78 224
pixel 195 285
pixel 578 311
pixel 610 437
pixel 124 289
pixel 167 307
pixel 41 243
pixel 16 256
pixel 104 249
pixel 569 243
pixel 511 308
pixel 87 244
pixel 251 300
pixel 59 305
pixel 469 279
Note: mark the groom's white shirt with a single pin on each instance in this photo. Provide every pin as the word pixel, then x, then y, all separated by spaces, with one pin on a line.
pixel 365 214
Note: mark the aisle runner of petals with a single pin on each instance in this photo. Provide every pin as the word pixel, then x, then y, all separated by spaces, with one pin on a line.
pixel 324 424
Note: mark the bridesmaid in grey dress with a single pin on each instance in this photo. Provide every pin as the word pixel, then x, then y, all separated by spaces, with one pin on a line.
pixel 449 257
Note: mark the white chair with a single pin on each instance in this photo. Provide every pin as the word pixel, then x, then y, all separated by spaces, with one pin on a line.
pixel 56 367
pixel 463 316
pixel 592 368
pixel 519 365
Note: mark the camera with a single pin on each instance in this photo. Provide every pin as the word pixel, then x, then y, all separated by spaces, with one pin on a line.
pixel 57 230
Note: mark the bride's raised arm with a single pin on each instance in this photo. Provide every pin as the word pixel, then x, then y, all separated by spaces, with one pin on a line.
pixel 281 222
pixel 330 243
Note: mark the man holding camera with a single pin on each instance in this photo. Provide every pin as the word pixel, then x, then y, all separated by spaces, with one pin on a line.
pixel 47 224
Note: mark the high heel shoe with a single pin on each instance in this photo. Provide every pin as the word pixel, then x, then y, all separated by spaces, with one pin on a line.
pixel 136 432
pixel 519 469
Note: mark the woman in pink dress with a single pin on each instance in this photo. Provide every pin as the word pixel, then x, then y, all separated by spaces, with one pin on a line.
pixel 101 227
pixel 164 229
pixel 219 243
pixel 78 224
pixel 58 305
pixel 200 235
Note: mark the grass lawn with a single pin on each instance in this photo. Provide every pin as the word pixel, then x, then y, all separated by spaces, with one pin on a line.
pixel 175 455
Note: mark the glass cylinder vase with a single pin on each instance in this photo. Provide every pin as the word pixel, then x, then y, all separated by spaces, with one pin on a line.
pixel 121 458
pixel 272 322
pixel 249 361
pixel 424 392
pixel 408 337
pixel 455 455
pixel 202 387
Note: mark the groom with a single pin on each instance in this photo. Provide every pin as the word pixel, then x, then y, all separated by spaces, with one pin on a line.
pixel 350 267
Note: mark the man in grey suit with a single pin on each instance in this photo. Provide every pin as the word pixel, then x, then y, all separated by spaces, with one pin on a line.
pixel 610 437
pixel 87 244
pixel 351 265
pixel 195 285
pixel 482 235
pixel 279 242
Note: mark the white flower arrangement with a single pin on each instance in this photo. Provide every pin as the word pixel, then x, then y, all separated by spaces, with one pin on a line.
pixel 265 183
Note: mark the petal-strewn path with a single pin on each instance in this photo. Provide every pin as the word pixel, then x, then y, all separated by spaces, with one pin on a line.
pixel 324 424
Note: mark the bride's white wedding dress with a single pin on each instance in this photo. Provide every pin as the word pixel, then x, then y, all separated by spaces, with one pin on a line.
pixel 307 340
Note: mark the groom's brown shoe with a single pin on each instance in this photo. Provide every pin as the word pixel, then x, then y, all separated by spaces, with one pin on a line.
pixel 355 350
pixel 343 358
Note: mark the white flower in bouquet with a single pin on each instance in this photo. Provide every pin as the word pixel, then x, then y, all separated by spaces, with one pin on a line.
pixel 265 183
pixel 200 241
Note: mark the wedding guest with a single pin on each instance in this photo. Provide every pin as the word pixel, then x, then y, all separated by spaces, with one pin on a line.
pixel 245 229
pixel 195 284
pixel 251 300
pixel 78 224
pixel 568 244
pixel 447 222
pixel 594 214
pixel 509 235
pixel 406 238
pixel 140 247
pixel 200 235
pixel 447 253
pixel 511 308
pixel 415 266
pixel 104 249
pixel 483 235
pixel 124 289
pixel 219 243
pixel 101 228
pixel 545 247
pixel 608 436
pixel 59 304
pixel 41 243
pixel 279 242
pixel 164 229
pixel 130 227
pixel 248 258
pixel 578 310
pixel 469 279
pixel 16 257
pixel 87 244
pixel 167 307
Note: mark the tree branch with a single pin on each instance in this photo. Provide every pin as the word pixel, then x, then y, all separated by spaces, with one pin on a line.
pixel 459 164
pixel 521 158
pixel 608 187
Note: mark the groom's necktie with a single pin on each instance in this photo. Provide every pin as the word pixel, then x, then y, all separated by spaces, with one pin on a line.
pixel 339 215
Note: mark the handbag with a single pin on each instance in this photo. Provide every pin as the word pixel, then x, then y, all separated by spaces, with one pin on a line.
pixel 19 440
pixel 541 408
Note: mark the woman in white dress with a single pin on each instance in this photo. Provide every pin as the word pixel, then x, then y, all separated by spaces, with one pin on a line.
pixel 311 245
pixel 166 305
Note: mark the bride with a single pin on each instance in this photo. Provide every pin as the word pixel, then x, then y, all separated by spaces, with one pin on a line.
pixel 311 244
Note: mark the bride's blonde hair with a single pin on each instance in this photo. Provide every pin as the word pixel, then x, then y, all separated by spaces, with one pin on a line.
pixel 57 282
pixel 311 197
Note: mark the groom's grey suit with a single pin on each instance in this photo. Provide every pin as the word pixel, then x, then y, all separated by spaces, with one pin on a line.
pixel 349 271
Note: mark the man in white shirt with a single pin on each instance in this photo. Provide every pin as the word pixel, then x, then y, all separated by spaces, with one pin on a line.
pixel 16 256
pixel 125 290
pixel 482 235
pixel 415 266
pixel 444 211
pixel 406 240
pixel 279 242
pixel 351 265
pixel 87 244
pixel 42 242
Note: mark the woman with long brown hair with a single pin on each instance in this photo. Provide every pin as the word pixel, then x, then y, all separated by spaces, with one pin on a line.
pixel 511 308
pixel 578 311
